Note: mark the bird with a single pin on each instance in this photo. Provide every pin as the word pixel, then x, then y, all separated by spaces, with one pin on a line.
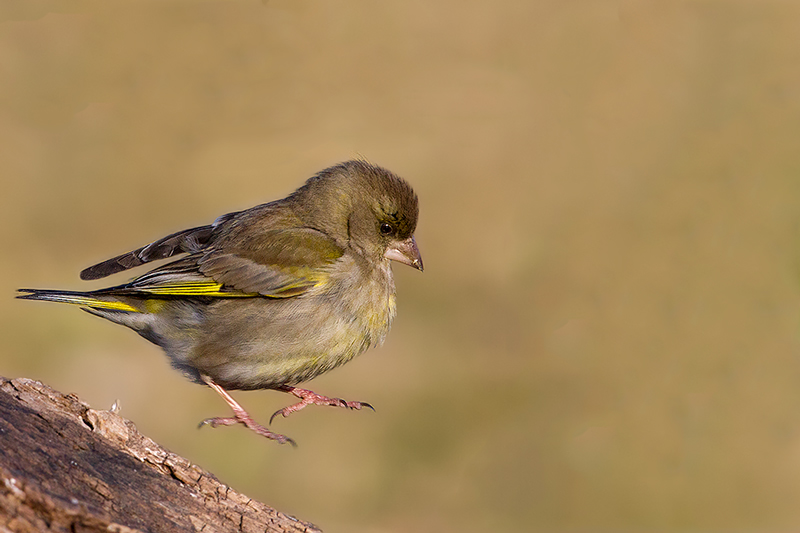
pixel 271 296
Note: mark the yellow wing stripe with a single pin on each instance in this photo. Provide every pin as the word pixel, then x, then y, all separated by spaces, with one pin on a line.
pixel 198 288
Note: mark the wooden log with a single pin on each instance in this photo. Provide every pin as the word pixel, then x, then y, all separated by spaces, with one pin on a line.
pixel 69 468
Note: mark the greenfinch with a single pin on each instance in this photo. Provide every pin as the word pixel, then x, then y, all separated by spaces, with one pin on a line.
pixel 272 296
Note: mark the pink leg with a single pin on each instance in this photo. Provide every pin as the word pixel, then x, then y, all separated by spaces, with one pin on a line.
pixel 308 397
pixel 240 416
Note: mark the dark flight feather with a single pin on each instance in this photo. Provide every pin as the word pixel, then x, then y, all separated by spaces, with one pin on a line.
pixel 186 241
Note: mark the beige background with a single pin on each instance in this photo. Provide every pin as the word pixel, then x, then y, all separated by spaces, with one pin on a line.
pixel 607 334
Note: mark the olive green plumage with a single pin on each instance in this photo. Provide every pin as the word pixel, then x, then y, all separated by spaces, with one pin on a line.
pixel 274 295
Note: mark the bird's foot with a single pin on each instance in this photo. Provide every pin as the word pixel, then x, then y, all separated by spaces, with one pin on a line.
pixel 249 423
pixel 308 397
pixel 240 416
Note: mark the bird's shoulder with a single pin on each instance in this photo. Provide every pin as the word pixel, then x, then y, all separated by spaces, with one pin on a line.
pixel 273 234
pixel 268 250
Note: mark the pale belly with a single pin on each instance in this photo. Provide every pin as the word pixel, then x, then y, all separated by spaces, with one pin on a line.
pixel 266 343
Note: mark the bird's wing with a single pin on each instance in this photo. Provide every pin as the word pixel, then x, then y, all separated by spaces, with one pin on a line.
pixel 187 241
pixel 190 240
pixel 179 278
pixel 279 264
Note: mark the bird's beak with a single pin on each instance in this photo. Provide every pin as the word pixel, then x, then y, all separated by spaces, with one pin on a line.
pixel 405 252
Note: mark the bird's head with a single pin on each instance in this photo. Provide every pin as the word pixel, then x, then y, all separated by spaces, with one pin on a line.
pixel 368 209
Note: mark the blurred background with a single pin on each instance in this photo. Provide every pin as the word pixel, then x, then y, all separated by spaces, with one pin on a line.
pixel 607 333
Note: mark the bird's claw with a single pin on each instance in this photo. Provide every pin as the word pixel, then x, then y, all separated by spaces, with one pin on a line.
pixel 308 397
pixel 250 424
pixel 276 413
pixel 213 422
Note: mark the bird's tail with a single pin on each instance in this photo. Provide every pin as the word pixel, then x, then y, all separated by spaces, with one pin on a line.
pixel 91 300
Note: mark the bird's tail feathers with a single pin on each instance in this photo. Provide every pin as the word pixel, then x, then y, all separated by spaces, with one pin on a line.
pixel 83 299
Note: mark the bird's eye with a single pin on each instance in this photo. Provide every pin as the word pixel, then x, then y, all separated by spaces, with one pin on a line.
pixel 386 229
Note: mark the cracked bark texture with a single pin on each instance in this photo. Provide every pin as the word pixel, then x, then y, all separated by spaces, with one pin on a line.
pixel 67 467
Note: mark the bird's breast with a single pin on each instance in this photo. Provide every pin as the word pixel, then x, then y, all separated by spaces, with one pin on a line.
pixel 367 298
pixel 266 342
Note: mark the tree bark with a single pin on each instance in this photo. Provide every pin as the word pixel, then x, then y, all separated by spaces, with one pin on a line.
pixel 67 467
